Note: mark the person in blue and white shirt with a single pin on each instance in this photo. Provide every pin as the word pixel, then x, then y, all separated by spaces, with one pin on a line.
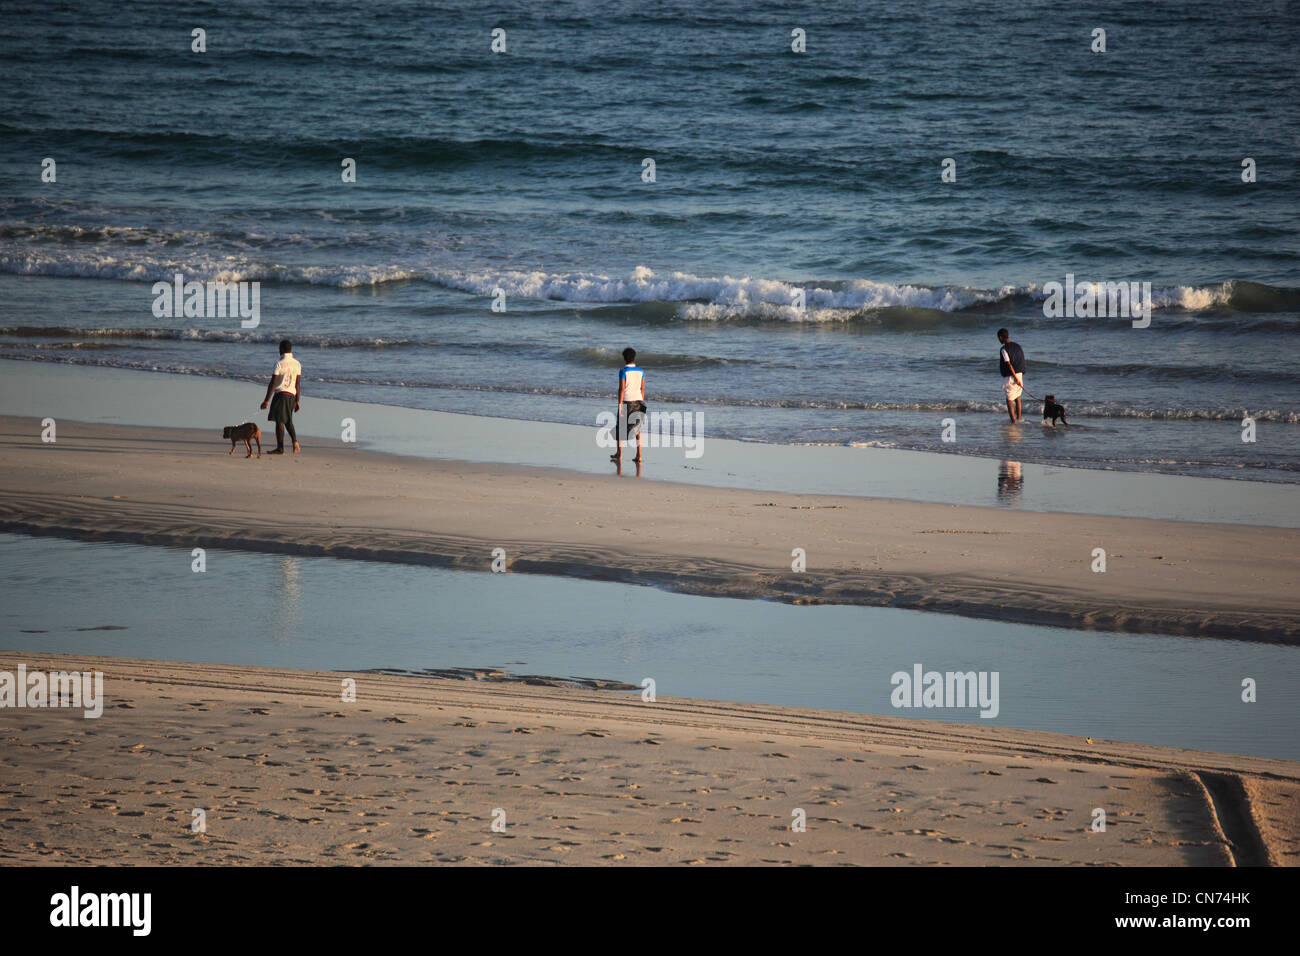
pixel 631 402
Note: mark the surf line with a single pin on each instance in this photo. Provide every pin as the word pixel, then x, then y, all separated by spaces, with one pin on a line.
pixel 1086 300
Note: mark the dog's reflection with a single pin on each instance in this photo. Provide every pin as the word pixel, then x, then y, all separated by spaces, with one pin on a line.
pixel 1010 481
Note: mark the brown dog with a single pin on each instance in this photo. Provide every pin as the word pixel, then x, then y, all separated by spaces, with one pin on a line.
pixel 247 433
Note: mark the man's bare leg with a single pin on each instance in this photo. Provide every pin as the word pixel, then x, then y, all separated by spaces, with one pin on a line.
pixel 620 430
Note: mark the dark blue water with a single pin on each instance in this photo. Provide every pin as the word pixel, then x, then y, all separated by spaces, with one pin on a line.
pixel 775 172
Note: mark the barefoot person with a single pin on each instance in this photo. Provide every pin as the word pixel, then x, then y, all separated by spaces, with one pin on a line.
pixel 284 394
pixel 1011 364
pixel 631 401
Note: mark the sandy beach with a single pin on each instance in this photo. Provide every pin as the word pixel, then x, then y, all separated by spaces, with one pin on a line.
pixel 967 531
pixel 417 768
pixel 178 487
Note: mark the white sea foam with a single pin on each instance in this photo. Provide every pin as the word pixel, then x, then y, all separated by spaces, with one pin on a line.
pixel 722 297
pixel 700 298
pixel 1191 298
pixel 91 265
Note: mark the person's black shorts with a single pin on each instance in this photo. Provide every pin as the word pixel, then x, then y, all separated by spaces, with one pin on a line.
pixel 282 408
pixel 632 425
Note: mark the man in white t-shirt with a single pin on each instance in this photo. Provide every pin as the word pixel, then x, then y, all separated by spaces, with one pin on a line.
pixel 631 401
pixel 284 394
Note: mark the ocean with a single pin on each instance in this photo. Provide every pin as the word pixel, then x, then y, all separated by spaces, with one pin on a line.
pixel 777 174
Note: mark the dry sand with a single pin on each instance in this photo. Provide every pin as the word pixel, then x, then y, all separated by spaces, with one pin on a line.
pixel 179 487
pixel 413 771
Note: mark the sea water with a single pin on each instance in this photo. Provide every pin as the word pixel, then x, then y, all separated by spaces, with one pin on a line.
pixel 798 270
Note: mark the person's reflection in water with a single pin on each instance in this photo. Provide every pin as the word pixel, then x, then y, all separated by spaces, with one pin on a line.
pixel 289 606
pixel 1009 481
pixel 618 464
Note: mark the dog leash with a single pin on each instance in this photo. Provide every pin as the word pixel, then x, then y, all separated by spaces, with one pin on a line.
pixel 1031 394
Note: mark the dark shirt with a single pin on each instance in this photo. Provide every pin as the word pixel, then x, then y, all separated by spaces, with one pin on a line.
pixel 1017 356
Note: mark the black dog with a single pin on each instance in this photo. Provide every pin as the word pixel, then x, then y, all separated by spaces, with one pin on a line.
pixel 1053 410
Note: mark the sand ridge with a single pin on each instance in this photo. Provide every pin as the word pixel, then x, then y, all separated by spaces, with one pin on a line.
pixel 179 487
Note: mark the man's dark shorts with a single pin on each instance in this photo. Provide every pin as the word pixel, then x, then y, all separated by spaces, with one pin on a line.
pixel 282 408
pixel 633 425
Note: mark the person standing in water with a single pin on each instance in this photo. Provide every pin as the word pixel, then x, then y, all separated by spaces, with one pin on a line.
pixel 1011 365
